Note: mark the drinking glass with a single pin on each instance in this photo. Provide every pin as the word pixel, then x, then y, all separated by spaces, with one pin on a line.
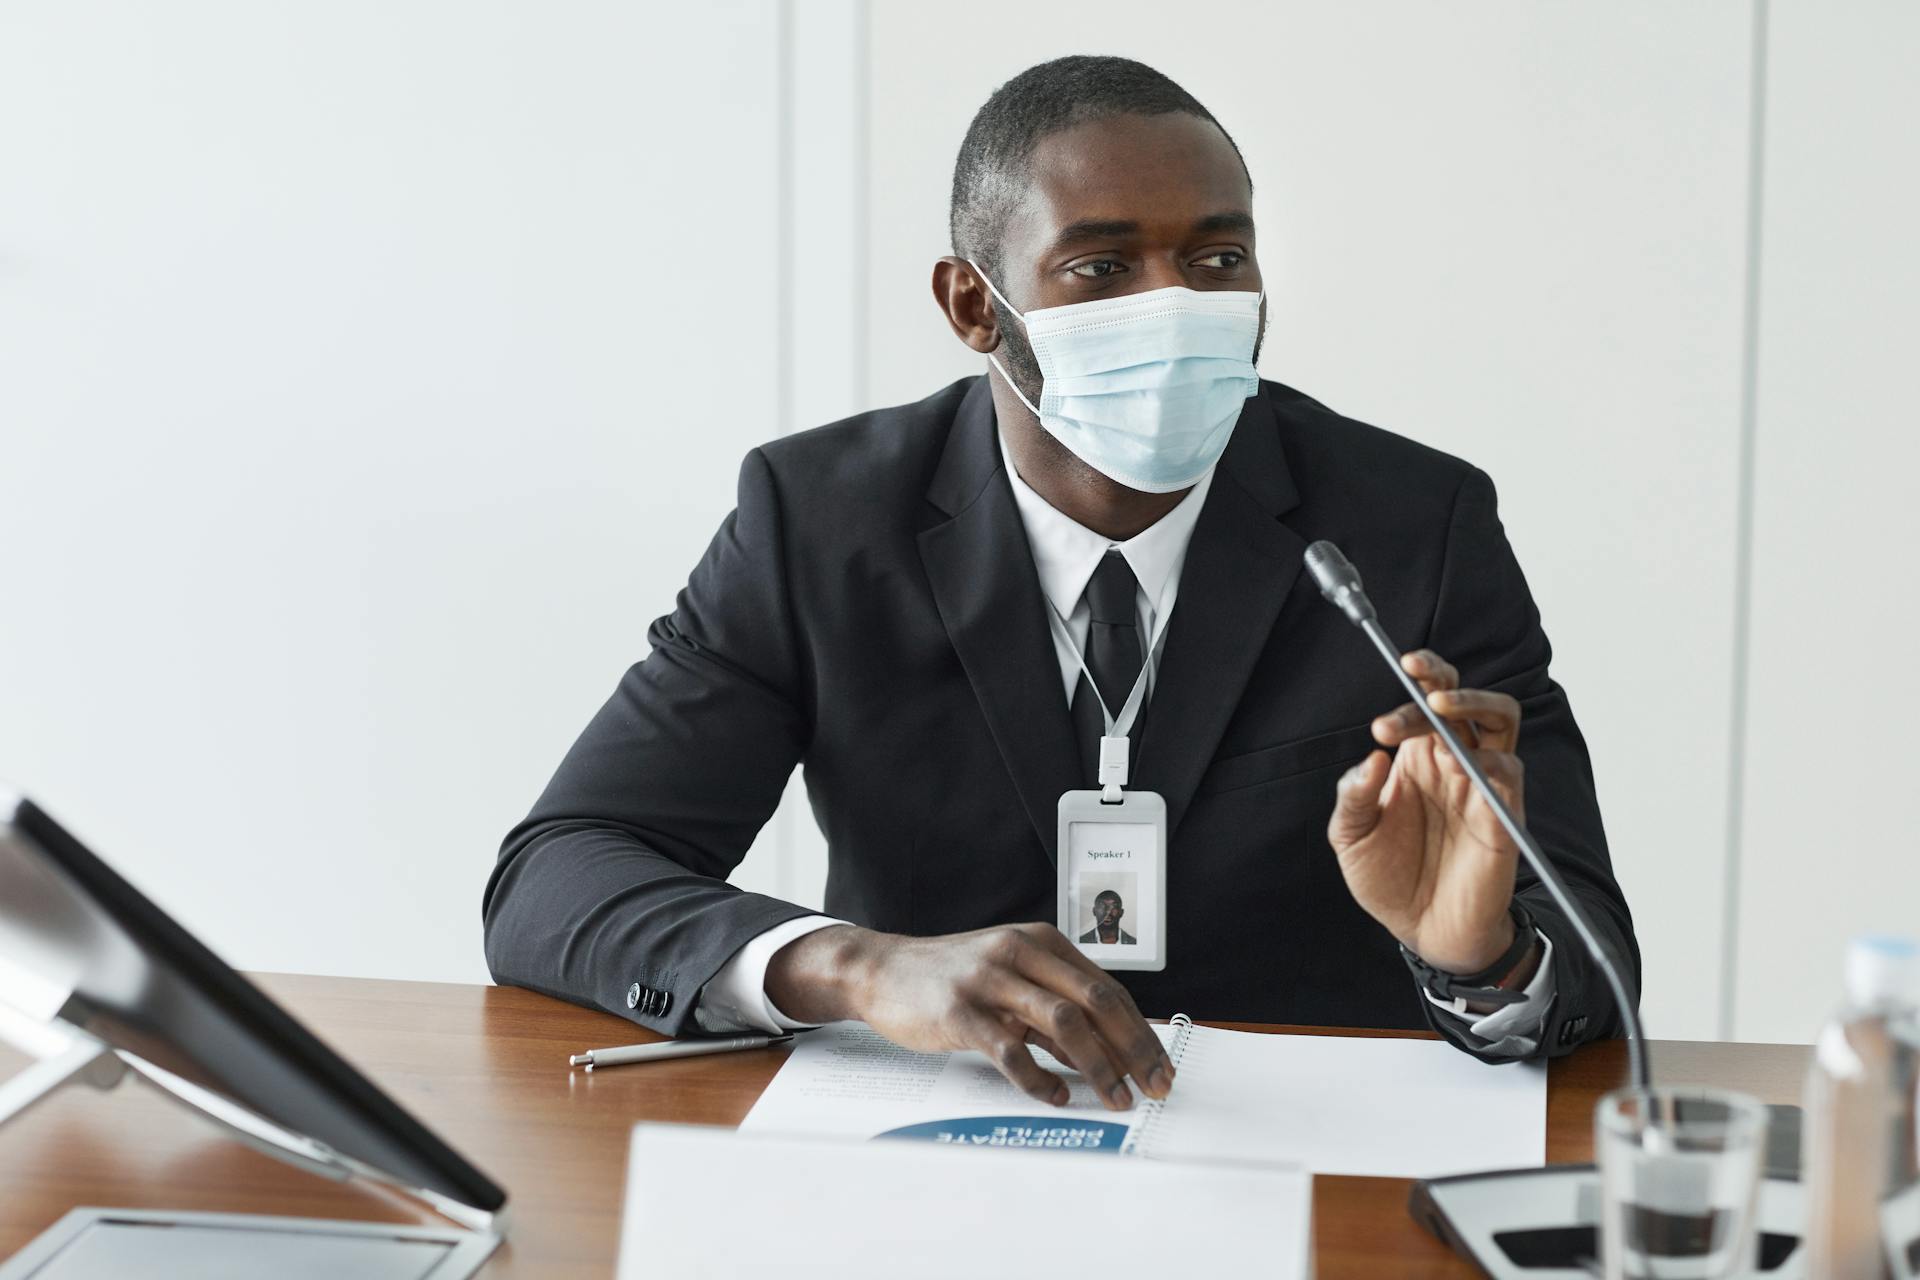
pixel 1679 1174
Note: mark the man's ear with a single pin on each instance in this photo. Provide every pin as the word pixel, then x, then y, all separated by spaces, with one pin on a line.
pixel 963 298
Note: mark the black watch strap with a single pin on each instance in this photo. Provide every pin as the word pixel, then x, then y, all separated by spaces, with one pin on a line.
pixel 1479 986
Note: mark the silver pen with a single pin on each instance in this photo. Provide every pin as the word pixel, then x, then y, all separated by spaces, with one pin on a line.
pixel 670 1049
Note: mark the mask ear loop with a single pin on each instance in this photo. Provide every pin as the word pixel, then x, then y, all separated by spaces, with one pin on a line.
pixel 1013 387
pixel 998 368
pixel 996 292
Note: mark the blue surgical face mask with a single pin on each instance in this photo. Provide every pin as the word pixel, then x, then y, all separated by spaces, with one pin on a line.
pixel 1144 388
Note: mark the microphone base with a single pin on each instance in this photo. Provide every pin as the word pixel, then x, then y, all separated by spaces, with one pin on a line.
pixel 1542 1224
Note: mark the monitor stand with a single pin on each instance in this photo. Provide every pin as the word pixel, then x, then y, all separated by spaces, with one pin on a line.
pixel 59 1059
pixel 64 1054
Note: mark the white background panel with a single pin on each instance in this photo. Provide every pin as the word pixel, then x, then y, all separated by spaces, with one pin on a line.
pixel 1829 845
pixel 371 376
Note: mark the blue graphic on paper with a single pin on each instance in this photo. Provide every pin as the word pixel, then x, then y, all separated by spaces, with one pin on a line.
pixel 1038 1133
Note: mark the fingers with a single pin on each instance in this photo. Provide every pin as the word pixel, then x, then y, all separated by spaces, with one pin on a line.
pixel 1433 673
pixel 1479 717
pixel 1356 807
pixel 1007 1049
pixel 1013 985
pixel 1086 1011
pixel 1496 715
pixel 1430 669
pixel 1507 775
pixel 1046 1042
pixel 1068 1026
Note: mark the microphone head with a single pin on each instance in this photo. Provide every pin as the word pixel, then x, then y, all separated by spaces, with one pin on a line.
pixel 1339 581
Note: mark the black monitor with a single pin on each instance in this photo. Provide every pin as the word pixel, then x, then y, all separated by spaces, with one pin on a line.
pixel 143 985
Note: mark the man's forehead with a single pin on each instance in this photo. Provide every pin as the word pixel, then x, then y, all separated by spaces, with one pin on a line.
pixel 1167 174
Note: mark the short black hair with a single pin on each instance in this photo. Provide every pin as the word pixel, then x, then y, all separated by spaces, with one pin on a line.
pixel 990 172
pixel 1107 893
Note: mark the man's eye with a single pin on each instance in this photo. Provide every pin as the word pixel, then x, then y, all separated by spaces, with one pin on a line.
pixel 1225 258
pixel 1098 269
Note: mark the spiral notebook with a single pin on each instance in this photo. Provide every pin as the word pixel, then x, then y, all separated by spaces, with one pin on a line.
pixel 1331 1104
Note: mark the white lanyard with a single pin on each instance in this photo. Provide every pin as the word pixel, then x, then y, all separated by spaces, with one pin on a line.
pixel 1113 744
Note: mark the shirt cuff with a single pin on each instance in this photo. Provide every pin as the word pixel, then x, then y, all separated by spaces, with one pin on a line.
pixel 1522 1019
pixel 735 999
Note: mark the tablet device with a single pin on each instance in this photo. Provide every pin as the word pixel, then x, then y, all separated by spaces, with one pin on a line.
pixel 134 979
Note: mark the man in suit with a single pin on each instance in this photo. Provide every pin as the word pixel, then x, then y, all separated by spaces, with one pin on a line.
pixel 876 611
pixel 1107 910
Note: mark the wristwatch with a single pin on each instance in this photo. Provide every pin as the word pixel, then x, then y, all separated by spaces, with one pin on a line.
pixel 1480 987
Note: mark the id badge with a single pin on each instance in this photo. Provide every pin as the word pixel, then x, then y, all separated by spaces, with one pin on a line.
pixel 1113 878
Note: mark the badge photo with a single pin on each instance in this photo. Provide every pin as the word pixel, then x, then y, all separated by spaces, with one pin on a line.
pixel 1113 878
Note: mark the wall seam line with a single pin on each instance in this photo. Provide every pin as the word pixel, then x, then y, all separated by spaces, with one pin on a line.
pixel 1743 524
pixel 785 209
pixel 862 200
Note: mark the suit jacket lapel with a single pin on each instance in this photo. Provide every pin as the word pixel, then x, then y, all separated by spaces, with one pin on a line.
pixel 1240 567
pixel 981 570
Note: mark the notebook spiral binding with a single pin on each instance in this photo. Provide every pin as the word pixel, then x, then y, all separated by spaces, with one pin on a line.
pixel 1141 1143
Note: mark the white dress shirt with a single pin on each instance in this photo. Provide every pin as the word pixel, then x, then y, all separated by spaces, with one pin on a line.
pixel 1065 554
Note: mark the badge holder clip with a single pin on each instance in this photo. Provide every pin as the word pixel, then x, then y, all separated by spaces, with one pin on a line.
pixel 1113 768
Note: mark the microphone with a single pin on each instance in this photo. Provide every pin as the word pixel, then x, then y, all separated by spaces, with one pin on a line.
pixel 1340 584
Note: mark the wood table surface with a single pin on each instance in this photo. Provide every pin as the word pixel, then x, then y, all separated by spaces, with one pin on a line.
pixel 486 1068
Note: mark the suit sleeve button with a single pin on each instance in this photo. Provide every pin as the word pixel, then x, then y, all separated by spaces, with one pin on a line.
pixel 633 995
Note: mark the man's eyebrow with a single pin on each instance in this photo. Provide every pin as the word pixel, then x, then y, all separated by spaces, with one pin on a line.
pixel 1224 222
pixel 1113 228
pixel 1095 229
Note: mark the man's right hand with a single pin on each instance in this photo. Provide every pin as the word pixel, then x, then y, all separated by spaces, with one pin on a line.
pixel 995 990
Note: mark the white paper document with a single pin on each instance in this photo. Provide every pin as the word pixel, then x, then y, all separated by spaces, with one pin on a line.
pixel 1332 1104
pixel 712 1202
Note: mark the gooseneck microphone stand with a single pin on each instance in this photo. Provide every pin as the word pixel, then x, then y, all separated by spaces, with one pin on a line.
pixel 1340 583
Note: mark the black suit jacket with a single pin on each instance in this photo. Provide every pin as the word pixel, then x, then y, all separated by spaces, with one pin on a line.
pixel 870 611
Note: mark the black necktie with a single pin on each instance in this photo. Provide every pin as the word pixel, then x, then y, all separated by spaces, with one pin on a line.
pixel 1114 654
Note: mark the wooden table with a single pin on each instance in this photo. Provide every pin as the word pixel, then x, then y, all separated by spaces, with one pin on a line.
pixel 486 1068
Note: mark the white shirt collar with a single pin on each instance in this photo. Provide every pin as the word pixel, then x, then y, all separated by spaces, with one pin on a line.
pixel 1066 552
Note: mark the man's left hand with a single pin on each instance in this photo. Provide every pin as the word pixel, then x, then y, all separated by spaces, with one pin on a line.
pixel 1421 851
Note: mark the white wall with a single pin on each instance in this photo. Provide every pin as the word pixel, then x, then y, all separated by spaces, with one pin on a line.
pixel 370 377
pixel 1829 845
